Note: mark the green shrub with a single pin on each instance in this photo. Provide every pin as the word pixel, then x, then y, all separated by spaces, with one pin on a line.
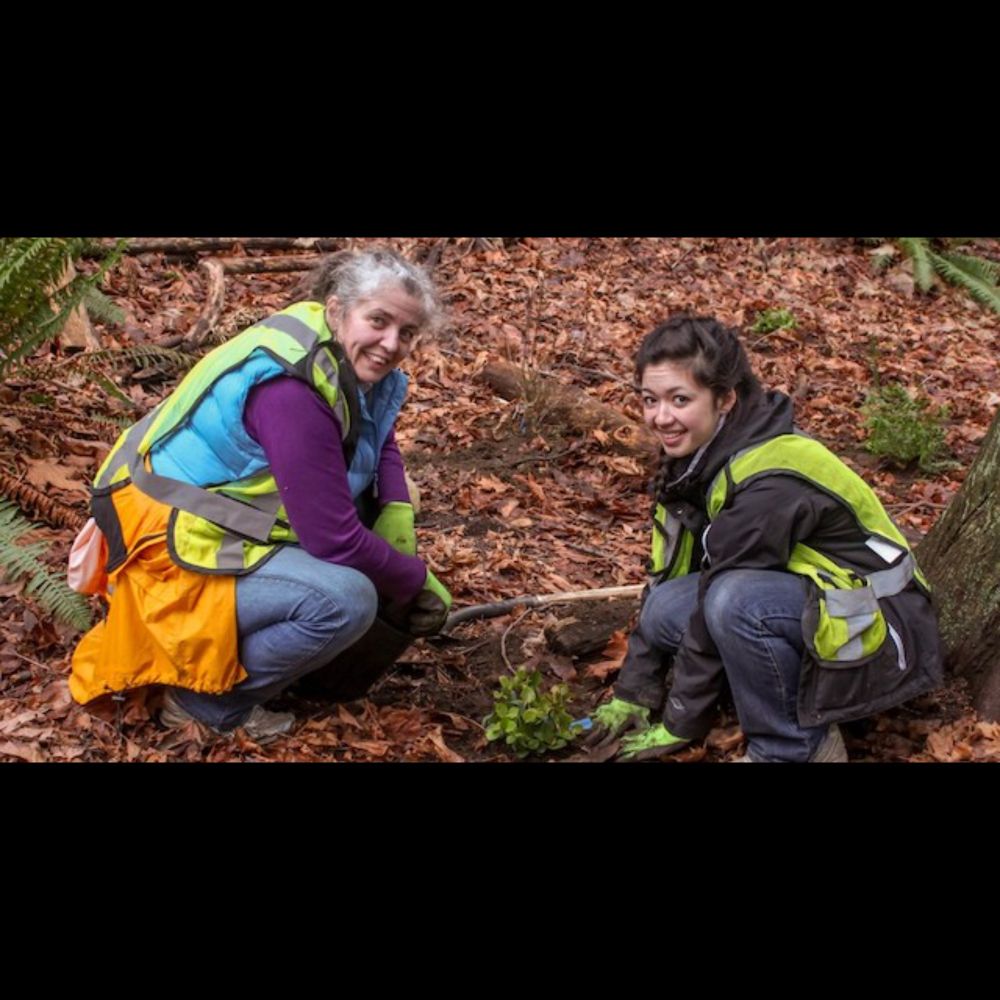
pixel 769 320
pixel 527 719
pixel 903 429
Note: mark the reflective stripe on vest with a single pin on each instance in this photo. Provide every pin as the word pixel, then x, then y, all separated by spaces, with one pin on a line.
pixel 672 546
pixel 851 625
pixel 232 527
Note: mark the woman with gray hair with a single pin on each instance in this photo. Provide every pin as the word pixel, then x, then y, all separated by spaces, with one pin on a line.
pixel 258 522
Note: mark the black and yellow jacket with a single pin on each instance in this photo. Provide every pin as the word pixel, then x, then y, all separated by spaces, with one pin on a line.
pixel 761 496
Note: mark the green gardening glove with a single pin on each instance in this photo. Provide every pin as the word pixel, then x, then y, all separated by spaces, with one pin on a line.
pixel 616 717
pixel 651 744
pixel 428 611
pixel 395 525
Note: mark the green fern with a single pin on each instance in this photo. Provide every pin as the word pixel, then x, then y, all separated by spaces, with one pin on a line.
pixel 30 313
pixel 18 561
pixel 918 250
pixel 166 358
pixel 979 267
pixel 101 307
pixel 978 276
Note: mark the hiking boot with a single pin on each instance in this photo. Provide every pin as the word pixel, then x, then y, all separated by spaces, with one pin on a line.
pixel 830 751
pixel 263 726
pixel 260 725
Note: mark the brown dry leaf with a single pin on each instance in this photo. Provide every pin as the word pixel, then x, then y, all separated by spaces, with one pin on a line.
pixel 23 751
pixel 988 730
pixel 403 724
pixel 14 723
pixel 493 484
pixel 43 473
pixel 562 667
pixel 347 719
pixel 376 748
pixel 441 749
pixel 940 746
pixel 536 490
pixel 602 669
pixel 626 466
pixel 460 722
pixel 724 739
pixel 617 644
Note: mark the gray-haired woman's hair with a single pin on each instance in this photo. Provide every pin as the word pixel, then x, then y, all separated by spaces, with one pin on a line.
pixel 353 276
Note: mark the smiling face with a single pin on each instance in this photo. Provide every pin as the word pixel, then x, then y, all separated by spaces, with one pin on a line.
pixel 683 413
pixel 378 331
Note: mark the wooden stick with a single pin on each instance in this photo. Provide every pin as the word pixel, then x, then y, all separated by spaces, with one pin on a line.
pixel 478 611
pixel 215 271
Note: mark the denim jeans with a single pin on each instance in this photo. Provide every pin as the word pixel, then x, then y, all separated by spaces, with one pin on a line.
pixel 755 619
pixel 295 614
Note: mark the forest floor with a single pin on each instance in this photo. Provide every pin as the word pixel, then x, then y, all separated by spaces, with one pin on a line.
pixel 516 498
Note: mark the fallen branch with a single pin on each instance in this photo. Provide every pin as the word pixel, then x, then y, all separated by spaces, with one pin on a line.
pixel 264 265
pixel 217 268
pixel 199 244
pixel 479 611
pixel 215 273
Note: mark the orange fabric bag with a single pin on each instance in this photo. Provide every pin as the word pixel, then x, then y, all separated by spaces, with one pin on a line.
pixel 165 624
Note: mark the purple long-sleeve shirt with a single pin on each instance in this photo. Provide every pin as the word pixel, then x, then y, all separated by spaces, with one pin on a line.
pixel 301 437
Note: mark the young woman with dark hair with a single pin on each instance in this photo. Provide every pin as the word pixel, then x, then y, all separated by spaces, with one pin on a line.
pixel 774 567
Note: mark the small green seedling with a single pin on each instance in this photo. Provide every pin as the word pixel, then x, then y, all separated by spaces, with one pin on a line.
pixel 769 320
pixel 528 719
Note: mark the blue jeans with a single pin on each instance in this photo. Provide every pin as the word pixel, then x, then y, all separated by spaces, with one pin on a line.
pixel 755 620
pixel 295 614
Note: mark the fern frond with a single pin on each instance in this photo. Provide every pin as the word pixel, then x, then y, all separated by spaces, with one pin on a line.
pixel 115 424
pixel 30 313
pixel 918 250
pixel 112 390
pixel 980 289
pixel 16 255
pixel 21 561
pixel 101 307
pixel 978 267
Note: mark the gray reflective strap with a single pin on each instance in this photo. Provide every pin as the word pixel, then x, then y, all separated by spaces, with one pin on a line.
pixel 295 328
pixel 895 579
pixel 851 650
pixel 130 446
pixel 326 365
pixel 266 502
pixel 864 600
pixel 671 532
pixel 224 511
pixel 229 555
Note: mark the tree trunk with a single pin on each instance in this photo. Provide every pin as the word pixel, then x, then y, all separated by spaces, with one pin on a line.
pixel 961 557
